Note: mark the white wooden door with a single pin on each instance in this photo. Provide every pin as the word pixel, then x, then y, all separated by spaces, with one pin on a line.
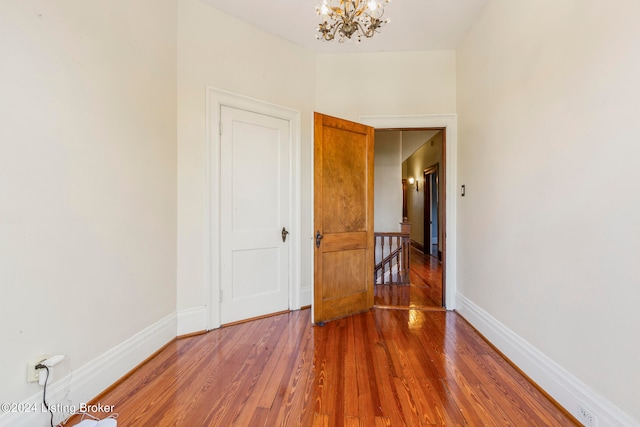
pixel 255 196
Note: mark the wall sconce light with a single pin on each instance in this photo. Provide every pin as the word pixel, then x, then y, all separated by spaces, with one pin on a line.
pixel 413 181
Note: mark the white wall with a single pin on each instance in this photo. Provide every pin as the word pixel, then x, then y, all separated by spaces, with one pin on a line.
pixel 413 140
pixel 217 50
pixel 424 157
pixel 87 180
pixel 549 236
pixel 405 83
pixel 388 181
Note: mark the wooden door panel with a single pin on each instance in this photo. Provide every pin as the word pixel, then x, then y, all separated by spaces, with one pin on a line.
pixel 344 241
pixel 343 211
pixel 337 308
pixel 347 270
pixel 345 286
pixel 344 191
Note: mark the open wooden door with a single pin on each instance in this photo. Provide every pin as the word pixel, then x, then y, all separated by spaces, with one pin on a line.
pixel 343 209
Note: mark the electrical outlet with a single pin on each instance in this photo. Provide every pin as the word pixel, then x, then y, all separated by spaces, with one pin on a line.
pixel 32 372
pixel 587 417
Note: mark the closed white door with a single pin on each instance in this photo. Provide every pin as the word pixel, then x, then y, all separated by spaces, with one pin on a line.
pixel 255 196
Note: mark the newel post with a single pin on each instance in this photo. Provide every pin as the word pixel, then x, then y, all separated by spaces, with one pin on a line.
pixel 405 226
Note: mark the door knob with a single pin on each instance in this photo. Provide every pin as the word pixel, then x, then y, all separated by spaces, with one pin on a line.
pixel 318 238
pixel 284 234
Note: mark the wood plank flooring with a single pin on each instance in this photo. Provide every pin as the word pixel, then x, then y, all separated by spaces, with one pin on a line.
pixel 424 291
pixel 379 368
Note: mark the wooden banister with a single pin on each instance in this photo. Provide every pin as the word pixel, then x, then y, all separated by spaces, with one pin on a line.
pixel 392 257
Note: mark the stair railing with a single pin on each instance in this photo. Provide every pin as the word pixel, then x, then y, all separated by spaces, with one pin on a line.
pixel 392 257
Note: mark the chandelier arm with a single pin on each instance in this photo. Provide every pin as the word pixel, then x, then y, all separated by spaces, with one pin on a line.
pixel 335 30
pixel 361 30
pixel 328 36
pixel 331 34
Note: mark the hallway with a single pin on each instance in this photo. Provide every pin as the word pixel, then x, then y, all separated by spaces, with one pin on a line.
pixel 424 292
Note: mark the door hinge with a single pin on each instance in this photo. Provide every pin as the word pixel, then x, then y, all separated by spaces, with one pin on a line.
pixel 220 128
pixel 220 295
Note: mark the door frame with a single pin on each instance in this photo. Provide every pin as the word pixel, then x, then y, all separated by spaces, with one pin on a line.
pixel 216 98
pixel 449 122
pixel 428 212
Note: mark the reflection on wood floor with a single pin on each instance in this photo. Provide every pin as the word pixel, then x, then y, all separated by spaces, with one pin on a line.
pixel 425 290
pixel 379 368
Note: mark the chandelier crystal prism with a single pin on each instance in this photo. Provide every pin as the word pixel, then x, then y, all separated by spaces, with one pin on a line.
pixel 350 19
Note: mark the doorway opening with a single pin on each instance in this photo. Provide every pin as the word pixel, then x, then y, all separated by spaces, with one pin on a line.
pixel 410 167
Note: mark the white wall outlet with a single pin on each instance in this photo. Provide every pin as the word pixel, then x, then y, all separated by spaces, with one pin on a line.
pixel 32 372
pixel 587 417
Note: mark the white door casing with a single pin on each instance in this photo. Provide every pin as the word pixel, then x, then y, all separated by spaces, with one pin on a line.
pixel 450 123
pixel 237 190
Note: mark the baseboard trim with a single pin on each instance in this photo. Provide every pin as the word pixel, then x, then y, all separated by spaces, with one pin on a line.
pixel 556 381
pixel 83 384
pixel 419 246
pixel 192 320
pixel 305 297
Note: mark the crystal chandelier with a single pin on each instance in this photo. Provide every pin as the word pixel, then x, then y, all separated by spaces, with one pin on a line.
pixel 350 18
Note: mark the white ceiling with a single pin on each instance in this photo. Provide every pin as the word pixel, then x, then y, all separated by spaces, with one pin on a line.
pixel 415 24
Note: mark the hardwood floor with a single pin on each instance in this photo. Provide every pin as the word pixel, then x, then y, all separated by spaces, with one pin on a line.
pixel 424 291
pixel 378 368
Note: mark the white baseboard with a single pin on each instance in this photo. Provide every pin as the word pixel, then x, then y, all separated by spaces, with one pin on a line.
pixel 192 320
pixel 565 388
pixel 87 382
pixel 305 297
